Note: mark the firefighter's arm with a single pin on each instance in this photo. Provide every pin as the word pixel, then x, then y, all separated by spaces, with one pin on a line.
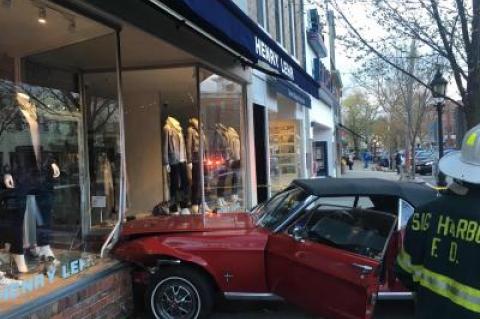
pixel 411 254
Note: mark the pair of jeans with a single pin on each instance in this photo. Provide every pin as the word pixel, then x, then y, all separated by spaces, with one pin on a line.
pixel 196 196
pixel 13 212
pixel 178 185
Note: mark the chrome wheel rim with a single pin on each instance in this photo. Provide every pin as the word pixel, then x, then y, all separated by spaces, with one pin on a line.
pixel 175 298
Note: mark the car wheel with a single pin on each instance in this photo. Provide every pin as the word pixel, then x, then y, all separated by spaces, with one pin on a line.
pixel 180 293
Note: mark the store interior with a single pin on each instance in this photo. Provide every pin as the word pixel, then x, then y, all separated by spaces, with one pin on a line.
pixel 285 124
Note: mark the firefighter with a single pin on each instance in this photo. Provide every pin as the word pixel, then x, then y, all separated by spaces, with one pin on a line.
pixel 440 260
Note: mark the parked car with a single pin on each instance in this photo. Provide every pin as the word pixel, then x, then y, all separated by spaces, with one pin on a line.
pixel 327 245
pixel 424 162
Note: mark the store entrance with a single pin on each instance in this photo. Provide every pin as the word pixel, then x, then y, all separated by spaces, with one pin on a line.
pixel 320 157
pixel 260 122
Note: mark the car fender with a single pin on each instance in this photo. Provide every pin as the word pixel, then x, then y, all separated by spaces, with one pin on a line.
pixel 152 251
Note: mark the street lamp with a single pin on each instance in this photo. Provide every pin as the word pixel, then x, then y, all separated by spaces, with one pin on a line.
pixel 439 87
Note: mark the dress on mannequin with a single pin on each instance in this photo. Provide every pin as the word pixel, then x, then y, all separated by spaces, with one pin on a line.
pixel 174 157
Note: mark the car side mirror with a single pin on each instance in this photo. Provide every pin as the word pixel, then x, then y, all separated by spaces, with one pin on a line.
pixel 298 233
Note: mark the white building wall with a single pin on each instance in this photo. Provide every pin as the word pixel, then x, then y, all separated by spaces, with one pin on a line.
pixel 321 117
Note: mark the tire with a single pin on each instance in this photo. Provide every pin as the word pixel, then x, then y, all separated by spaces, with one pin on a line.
pixel 194 290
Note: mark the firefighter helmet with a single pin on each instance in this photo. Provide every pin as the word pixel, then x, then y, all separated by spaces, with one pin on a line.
pixel 465 164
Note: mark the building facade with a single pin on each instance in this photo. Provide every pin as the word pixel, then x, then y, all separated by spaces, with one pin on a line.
pixel 111 111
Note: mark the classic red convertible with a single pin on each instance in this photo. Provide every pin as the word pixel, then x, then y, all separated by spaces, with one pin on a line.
pixel 326 245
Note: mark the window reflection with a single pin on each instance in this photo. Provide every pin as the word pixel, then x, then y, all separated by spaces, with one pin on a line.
pixel 221 112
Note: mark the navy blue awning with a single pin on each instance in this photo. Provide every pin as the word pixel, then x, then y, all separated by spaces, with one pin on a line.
pixel 290 91
pixel 229 24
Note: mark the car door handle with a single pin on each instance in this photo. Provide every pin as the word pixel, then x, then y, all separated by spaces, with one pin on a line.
pixel 364 269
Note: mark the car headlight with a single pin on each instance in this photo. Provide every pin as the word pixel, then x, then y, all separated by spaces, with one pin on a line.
pixel 429 163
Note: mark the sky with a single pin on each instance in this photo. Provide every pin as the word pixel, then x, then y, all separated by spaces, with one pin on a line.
pixel 357 14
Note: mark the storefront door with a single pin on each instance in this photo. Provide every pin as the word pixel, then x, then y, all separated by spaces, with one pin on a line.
pixel 320 158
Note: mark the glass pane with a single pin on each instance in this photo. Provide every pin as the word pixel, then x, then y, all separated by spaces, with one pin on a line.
pixel 361 231
pixel 281 207
pixel 103 131
pixel 163 153
pixel 44 202
pixel 342 201
pixel 221 102
pixel 285 131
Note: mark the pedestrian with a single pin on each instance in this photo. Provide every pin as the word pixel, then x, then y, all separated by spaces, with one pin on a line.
pixel 440 256
pixel 351 159
pixel 366 159
pixel 398 163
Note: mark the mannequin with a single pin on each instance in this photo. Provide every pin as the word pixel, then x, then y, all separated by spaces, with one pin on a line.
pixel 194 162
pixel 30 177
pixel 234 148
pixel 105 183
pixel 175 161
pixel 221 146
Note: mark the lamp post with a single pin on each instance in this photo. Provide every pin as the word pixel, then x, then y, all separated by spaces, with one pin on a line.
pixel 439 87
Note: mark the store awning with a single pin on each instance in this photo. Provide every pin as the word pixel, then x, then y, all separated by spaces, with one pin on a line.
pixel 289 91
pixel 230 25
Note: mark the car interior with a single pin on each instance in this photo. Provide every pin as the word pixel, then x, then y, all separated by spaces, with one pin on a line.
pixel 363 231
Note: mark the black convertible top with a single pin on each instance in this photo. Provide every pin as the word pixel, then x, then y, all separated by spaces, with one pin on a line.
pixel 415 193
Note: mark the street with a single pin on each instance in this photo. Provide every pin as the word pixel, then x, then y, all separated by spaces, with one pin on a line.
pixel 278 310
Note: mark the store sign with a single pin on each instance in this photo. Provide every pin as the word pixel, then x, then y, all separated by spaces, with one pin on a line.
pixel 18 288
pixel 273 58
pixel 74 267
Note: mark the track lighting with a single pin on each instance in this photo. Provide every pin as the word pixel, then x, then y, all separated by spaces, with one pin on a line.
pixel 42 15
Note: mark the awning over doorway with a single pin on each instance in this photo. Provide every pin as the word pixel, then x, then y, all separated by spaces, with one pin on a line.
pixel 230 25
pixel 289 91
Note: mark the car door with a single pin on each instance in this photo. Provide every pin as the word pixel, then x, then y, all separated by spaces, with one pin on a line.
pixel 329 260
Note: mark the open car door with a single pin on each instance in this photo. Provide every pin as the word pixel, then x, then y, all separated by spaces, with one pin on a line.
pixel 330 260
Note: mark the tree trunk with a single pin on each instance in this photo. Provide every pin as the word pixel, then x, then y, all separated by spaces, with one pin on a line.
pixel 472 107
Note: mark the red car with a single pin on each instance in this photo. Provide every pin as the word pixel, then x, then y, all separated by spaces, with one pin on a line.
pixel 326 245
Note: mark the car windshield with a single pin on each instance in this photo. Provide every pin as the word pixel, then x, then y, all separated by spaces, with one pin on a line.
pixel 274 212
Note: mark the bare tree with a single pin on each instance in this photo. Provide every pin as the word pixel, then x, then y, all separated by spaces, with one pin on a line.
pixel 447 29
pixel 403 100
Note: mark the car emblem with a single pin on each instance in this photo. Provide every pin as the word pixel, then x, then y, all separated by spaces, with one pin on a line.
pixel 228 276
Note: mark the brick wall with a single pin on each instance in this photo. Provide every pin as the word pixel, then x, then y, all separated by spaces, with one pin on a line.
pixel 108 298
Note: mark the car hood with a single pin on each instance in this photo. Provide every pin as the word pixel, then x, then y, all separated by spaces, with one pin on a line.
pixel 424 160
pixel 190 223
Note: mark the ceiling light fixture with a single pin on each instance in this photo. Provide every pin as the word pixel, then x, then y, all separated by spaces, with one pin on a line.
pixel 42 15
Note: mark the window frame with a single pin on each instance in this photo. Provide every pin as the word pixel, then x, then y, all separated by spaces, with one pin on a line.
pixel 308 215
pixel 292 27
pixel 279 27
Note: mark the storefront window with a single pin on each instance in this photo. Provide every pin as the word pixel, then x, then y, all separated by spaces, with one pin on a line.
pixel 164 157
pixel 285 131
pixel 161 141
pixel 221 103
pixel 55 132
